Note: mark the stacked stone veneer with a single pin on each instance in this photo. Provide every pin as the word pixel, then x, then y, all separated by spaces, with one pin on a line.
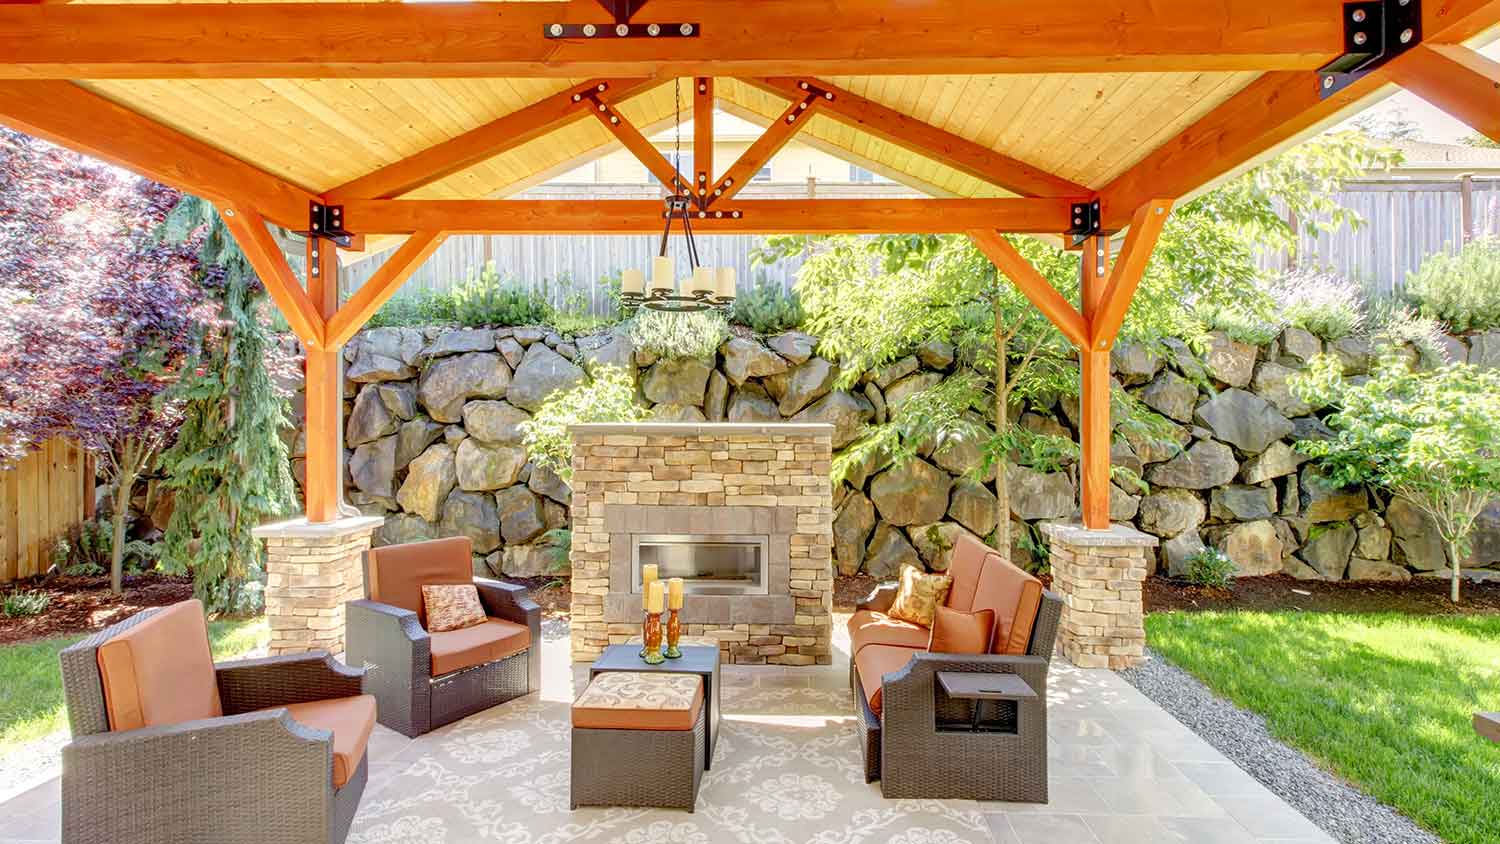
pixel 311 571
pixel 1098 575
pixel 690 478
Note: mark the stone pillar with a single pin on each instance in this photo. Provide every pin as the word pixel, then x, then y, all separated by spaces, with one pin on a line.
pixel 1098 574
pixel 311 570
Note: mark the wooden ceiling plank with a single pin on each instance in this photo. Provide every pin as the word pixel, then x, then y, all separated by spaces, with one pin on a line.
pixel 758 155
pixel 1456 80
pixel 1032 284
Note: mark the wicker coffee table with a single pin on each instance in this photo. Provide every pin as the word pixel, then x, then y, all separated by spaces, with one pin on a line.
pixel 702 660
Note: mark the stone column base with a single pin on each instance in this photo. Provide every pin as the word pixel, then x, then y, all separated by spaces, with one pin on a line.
pixel 311 570
pixel 1098 574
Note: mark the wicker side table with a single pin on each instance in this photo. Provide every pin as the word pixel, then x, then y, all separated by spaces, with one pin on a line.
pixel 702 660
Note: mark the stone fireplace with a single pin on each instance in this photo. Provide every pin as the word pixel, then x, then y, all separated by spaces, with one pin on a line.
pixel 742 512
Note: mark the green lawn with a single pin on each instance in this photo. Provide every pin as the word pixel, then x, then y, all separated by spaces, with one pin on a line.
pixel 1383 700
pixel 31 696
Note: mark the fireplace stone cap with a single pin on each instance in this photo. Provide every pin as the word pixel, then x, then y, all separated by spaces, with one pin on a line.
pixel 691 428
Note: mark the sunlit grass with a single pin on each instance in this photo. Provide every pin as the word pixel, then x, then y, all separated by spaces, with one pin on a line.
pixel 1383 700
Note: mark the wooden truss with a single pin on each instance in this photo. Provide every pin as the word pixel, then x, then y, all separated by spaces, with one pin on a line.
pixel 791 49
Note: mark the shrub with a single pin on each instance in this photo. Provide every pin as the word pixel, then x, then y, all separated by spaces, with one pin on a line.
pixel 18 604
pixel 1240 323
pixel 1461 290
pixel 422 308
pixel 768 308
pixel 1325 304
pixel 679 335
pixel 485 299
pixel 610 397
pixel 1212 568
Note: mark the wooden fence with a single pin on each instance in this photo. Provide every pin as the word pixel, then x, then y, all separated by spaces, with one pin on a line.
pixel 41 499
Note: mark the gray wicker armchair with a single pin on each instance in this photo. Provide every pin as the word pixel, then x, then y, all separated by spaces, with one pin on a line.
pixel 152 759
pixel 424 680
pixel 922 742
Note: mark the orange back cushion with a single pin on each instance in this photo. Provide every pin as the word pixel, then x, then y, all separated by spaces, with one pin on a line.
pixel 955 632
pixel 397 573
pixel 160 671
pixel 1015 596
pixel 965 567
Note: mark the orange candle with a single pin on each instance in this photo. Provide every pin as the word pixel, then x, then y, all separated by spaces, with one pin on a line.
pixel 653 598
pixel 648 577
pixel 674 593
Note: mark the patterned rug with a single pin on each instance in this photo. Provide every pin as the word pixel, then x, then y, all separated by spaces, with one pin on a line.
pixel 787 771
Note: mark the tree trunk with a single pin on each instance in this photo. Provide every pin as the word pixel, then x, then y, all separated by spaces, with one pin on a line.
pixel 1453 562
pixel 1002 424
pixel 124 483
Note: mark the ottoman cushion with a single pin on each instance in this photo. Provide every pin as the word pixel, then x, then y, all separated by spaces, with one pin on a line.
pixel 629 700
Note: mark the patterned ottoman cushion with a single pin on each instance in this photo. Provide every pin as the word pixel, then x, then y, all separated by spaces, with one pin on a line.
pixel 628 700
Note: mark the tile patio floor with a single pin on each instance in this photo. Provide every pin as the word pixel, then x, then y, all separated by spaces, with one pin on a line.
pixel 1123 771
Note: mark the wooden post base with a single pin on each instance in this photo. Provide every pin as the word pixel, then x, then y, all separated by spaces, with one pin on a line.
pixel 1098 574
pixel 311 571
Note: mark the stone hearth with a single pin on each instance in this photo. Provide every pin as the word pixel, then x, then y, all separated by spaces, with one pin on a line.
pixel 761 480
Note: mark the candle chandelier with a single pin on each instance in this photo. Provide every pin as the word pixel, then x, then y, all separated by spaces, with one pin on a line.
pixel 703 288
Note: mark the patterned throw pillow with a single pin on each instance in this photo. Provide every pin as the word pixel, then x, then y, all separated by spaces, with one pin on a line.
pixel 956 632
pixel 919 595
pixel 452 606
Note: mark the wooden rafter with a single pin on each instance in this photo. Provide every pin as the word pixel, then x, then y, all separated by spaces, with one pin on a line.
pixel 632 139
pixel 260 248
pixel 759 216
pixel 487 141
pixel 768 144
pixel 1032 284
pixel 1456 80
pixel 1115 296
pixel 776 38
pixel 381 286
pixel 703 136
pixel 66 114
pixel 912 134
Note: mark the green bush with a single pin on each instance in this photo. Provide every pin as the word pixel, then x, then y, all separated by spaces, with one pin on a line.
pixel 484 299
pixel 1460 290
pixel 610 397
pixel 1212 568
pixel 768 309
pixel 18 603
pixel 1329 306
pixel 422 308
pixel 676 336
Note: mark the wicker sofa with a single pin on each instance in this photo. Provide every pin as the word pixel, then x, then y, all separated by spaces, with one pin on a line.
pixel 168 746
pixel 922 743
pixel 424 680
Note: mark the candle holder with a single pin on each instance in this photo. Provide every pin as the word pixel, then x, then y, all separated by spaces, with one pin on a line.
pixel 674 635
pixel 651 636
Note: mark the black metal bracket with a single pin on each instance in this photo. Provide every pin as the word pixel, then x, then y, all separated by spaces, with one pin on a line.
pixel 1375 31
pixel 1087 221
pixel 327 222
pixel 621 27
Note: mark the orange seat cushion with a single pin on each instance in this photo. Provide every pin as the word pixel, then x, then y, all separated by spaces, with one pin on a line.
pixel 160 671
pixel 350 719
pixel 395 574
pixel 876 661
pixel 639 700
pixel 487 642
pixel 965 567
pixel 955 632
pixel 1015 596
pixel 868 627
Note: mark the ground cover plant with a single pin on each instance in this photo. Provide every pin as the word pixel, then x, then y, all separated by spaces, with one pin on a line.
pixel 1383 700
pixel 1461 290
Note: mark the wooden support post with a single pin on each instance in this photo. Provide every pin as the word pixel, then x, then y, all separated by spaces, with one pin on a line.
pixel 1094 434
pixel 323 385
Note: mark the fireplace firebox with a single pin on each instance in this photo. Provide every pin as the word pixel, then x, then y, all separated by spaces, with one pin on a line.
pixel 709 564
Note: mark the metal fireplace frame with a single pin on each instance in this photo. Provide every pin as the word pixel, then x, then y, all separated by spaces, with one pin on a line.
pixel 703 586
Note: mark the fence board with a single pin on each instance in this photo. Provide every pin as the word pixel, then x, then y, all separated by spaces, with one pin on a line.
pixel 41 499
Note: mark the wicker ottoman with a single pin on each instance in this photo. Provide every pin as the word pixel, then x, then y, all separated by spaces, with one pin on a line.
pixel 638 740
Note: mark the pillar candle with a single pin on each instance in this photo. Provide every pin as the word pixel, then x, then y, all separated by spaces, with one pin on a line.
pixel 674 593
pixel 653 598
pixel 632 281
pixel 648 577
pixel 661 273
pixel 703 280
pixel 726 281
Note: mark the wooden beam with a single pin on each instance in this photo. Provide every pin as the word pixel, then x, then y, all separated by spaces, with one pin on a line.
pixel 1094 392
pixel 1456 80
pixel 486 142
pixel 1116 296
pixel 1032 284
pixel 632 139
pixel 70 116
pixel 260 248
pixel 768 144
pixel 759 216
pixel 779 38
pixel 909 133
pixel 381 286
pixel 323 396
pixel 703 136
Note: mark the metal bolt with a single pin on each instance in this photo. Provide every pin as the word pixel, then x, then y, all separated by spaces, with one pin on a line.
pixel 702 89
pixel 622 29
pixel 686 29
pixel 702 215
pixel 1328 81
pixel 589 30
pixel 791 118
pixel 613 119
pixel 718 191
pixel 653 30
pixel 718 213
pixel 735 214
pixel 556 29
pixel 802 104
pixel 1406 36
pixel 229 212
pixel 1359 16
pixel 577 97
pixel 603 86
pixel 802 85
pixel 827 95
pixel 1360 38
pixel 603 107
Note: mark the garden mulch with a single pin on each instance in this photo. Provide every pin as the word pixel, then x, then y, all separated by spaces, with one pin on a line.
pixel 1418 596
pixel 84 604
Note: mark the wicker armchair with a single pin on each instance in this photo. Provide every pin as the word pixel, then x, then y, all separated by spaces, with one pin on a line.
pixel 269 770
pixel 424 680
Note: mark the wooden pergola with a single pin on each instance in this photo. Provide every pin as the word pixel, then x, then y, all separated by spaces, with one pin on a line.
pixel 1078 117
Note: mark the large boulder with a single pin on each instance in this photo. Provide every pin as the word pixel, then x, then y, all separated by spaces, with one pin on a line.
pixel 888 552
pixel 481 467
pixel 1300 346
pixel 472 514
pixel 745 359
pixel 546 482
pixel 1328 548
pixel 613 348
pixel 1242 503
pixel 1484 350
pixel 1205 465
pixel 520 513
pixel 894 371
pixel 429 479
pixel 1228 361
pixel 716 397
pixel 1134 363
pixel 1244 420
pixel 414 438
pixel 960 452
pixel 373 415
pixel 877 401
pixel 1157 447
pixel 1418 543
pixel 1176 552
pixel 751 404
pixel 401 528
pixel 451 381
pixel 679 381
pixel 372 467
pixel 1363 569
pixel 455 341
pixel 1273 383
pixel 1356 354
pixel 1255 547
pixel 1374 542
pixel 863 467
pixel 802 385
pixel 911 493
pixel 494 422
pixel 1039 495
pixel 794 346
pixel 546 556
pixel 1325 501
pixel 1171 512
pixel 541 373
pixel 851 530
pixel 1278 460
pixel 935 543
pixel 673 412
pixel 973 506
pixel 1123 505
pixel 1485 542
pixel 845 411
pixel 1172 396
pixel 383 354
pixel 900 392
pixel 935 354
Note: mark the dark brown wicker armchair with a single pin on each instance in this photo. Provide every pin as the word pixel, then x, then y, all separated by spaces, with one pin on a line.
pixel 922 742
pixel 168 746
pixel 425 680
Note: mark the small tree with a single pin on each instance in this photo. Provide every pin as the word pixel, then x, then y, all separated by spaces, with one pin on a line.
pixel 1427 436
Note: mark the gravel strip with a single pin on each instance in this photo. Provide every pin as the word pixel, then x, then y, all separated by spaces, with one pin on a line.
pixel 1340 809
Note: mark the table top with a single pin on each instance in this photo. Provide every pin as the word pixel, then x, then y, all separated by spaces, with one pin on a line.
pixel 972 686
pixel 695 659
